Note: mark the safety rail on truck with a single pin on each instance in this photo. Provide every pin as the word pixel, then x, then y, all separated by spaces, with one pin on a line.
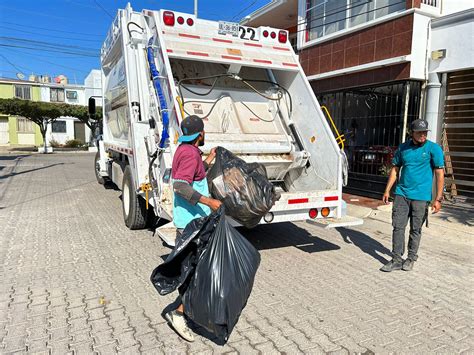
pixel 247 85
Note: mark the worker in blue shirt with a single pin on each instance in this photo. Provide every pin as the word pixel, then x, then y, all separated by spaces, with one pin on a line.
pixel 414 163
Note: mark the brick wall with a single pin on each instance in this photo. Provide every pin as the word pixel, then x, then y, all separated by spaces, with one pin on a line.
pixel 386 40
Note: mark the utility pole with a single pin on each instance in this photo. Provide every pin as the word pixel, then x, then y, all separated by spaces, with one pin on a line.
pixel 196 8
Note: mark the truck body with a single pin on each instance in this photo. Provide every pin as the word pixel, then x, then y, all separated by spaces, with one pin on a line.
pixel 248 86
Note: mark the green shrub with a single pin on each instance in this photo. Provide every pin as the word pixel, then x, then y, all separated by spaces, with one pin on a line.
pixel 73 143
pixel 54 143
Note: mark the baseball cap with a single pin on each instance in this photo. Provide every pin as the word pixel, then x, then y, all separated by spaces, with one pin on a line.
pixel 191 127
pixel 419 125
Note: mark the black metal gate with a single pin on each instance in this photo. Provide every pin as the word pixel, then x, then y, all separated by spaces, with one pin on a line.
pixel 374 121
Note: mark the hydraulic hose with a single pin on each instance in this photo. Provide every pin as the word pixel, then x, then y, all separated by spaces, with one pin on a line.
pixel 159 91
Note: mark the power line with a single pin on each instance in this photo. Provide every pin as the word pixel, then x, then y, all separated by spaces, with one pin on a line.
pixel 13 65
pixel 103 9
pixel 48 44
pixel 36 13
pixel 81 54
pixel 52 36
pixel 245 9
pixel 51 30
pixel 46 61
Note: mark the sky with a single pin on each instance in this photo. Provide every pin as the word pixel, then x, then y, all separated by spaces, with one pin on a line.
pixel 53 37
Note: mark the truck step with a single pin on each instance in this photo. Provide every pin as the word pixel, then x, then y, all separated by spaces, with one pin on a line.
pixel 345 221
pixel 167 233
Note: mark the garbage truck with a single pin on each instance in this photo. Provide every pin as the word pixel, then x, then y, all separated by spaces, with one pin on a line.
pixel 245 83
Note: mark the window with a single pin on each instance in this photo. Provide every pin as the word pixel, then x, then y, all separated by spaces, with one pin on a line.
pixel 23 92
pixel 324 17
pixel 361 12
pixel 71 95
pixel 24 125
pixel 57 95
pixel 59 127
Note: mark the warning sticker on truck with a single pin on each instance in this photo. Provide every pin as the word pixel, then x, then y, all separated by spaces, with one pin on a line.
pixel 198 109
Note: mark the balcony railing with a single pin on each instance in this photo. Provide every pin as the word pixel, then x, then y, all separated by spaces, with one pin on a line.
pixel 434 3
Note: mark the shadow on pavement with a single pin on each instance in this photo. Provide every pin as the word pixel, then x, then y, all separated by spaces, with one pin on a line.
pixel 458 213
pixel 13 157
pixel 29 171
pixel 284 235
pixel 365 243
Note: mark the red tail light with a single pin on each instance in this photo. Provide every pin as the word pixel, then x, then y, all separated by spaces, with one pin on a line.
pixel 190 21
pixel 282 36
pixel 265 33
pixel 180 20
pixel 313 213
pixel 273 35
pixel 168 18
pixel 331 198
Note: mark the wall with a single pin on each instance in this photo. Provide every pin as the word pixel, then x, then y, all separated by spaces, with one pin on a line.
pixel 93 84
pixel 455 34
pixel 386 40
pixel 452 6
pixel 6 91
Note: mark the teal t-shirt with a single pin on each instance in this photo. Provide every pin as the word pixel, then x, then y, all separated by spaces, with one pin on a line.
pixel 417 164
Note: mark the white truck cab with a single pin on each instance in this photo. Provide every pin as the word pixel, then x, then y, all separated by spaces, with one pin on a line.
pixel 249 88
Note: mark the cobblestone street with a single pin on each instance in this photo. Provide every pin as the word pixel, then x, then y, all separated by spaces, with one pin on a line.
pixel 74 279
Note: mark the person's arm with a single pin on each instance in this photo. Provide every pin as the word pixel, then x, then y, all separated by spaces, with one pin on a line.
pixel 210 158
pixel 392 178
pixel 439 174
pixel 187 192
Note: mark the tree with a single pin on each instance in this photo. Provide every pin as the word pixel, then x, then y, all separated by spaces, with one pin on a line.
pixel 44 113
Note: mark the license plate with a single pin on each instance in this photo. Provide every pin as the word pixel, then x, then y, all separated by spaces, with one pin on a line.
pixel 231 28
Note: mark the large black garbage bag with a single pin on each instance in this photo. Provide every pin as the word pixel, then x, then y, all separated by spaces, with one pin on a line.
pixel 222 280
pixel 177 270
pixel 244 188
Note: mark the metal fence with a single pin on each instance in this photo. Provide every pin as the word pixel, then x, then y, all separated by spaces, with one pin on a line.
pixel 374 121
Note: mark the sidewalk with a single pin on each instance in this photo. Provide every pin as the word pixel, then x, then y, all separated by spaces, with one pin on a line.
pixel 454 219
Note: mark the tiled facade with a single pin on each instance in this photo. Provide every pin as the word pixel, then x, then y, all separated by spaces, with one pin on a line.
pixel 382 41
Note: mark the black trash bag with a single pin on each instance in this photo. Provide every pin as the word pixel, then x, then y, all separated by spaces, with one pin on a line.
pixel 243 188
pixel 177 270
pixel 222 281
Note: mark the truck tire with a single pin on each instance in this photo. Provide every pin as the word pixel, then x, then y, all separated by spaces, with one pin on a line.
pixel 100 179
pixel 133 206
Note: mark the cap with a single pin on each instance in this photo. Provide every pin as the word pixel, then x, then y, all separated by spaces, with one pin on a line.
pixel 191 126
pixel 419 125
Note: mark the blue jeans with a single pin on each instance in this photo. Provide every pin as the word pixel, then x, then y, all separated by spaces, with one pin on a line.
pixel 405 209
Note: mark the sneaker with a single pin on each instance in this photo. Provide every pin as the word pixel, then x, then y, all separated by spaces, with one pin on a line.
pixel 178 322
pixel 392 265
pixel 408 265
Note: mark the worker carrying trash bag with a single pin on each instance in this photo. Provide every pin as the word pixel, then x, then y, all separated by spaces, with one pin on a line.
pixel 213 266
pixel 191 194
pixel 243 188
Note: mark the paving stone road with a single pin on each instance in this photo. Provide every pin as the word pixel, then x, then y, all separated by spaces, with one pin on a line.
pixel 74 279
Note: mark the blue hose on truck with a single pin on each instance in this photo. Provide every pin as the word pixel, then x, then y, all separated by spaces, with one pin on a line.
pixel 159 91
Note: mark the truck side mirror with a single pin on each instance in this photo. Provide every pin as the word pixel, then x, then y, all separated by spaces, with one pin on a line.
pixel 91 106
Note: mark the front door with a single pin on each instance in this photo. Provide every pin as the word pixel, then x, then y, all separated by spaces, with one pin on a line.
pixel 80 131
pixel 4 139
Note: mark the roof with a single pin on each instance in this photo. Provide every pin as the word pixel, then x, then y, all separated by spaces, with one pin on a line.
pixel 277 14
pixel 34 83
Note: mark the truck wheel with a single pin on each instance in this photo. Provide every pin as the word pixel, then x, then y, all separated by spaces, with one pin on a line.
pixel 133 206
pixel 100 179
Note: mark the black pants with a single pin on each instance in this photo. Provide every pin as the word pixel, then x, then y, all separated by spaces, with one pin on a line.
pixel 403 210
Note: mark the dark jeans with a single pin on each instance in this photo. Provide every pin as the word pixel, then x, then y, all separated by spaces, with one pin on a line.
pixel 404 210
